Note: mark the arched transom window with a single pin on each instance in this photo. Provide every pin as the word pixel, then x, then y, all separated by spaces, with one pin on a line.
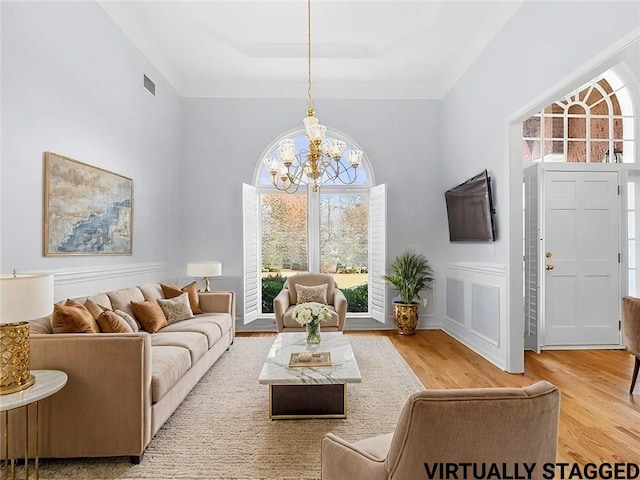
pixel 593 124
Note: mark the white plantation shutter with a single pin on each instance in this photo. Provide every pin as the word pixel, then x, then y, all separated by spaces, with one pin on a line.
pixel 531 258
pixel 250 238
pixel 378 252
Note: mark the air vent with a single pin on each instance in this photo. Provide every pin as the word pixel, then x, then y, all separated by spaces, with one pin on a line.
pixel 150 86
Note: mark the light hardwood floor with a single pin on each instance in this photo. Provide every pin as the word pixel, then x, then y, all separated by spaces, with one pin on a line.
pixel 599 420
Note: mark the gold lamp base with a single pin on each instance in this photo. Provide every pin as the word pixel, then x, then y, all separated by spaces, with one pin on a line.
pixel 15 374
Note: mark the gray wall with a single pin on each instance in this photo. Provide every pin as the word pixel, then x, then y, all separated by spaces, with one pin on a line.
pixel 72 84
pixel 224 139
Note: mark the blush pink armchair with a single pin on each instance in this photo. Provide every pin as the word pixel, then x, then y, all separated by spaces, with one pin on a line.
pixel 478 426
pixel 286 301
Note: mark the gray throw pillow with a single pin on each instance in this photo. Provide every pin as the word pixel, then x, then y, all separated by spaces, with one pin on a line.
pixel 132 322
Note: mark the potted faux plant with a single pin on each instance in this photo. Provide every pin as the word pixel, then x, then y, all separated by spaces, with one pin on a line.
pixel 411 273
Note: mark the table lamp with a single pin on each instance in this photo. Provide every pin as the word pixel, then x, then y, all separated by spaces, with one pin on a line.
pixel 204 270
pixel 22 298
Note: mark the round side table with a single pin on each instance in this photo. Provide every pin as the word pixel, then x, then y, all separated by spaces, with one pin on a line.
pixel 47 383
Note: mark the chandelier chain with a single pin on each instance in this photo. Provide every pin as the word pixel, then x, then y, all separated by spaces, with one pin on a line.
pixel 310 103
pixel 322 161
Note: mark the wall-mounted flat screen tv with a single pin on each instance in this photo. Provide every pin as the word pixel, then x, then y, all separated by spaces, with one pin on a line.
pixel 470 210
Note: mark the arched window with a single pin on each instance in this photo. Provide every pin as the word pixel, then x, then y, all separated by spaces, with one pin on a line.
pixel 339 230
pixel 593 124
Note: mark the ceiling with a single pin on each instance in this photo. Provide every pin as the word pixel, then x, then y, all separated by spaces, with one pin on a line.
pixel 360 48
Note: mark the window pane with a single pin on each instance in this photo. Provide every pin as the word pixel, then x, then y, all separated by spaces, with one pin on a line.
pixel 531 150
pixel 577 127
pixel 632 283
pixel 631 195
pixel 531 127
pixel 344 249
pixel 283 243
pixel 554 151
pixel 553 127
pixel 631 224
pixel 600 128
pixel 576 151
pixel 598 151
pixel 632 254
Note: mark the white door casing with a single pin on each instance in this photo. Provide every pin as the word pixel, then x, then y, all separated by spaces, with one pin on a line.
pixel 579 259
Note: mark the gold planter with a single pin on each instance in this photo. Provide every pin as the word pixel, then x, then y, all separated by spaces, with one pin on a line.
pixel 15 374
pixel 406 315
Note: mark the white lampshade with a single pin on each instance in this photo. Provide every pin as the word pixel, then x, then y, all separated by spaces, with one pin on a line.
pixel 22 298
pixel 204 269
pixel 25 297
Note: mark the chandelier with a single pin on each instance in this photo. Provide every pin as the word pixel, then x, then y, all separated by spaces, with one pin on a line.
pixel 322 160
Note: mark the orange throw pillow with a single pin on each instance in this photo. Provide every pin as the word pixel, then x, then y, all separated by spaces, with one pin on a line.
pixel 110 322
pixel 73 317
pixel 150 315
pixel 192 289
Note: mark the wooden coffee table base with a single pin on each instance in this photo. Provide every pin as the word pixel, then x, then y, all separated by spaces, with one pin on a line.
pixel 307 401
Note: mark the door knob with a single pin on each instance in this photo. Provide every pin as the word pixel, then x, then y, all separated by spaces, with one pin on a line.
pixel 548 267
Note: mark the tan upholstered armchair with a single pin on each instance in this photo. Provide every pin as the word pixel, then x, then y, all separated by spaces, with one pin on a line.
pixel 631 320
pixel 479 426
pixel 287 299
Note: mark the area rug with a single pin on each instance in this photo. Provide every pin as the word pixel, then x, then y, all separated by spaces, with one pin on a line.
pixel 222 429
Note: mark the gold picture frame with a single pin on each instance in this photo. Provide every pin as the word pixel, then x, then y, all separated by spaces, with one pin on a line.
pixel 87 210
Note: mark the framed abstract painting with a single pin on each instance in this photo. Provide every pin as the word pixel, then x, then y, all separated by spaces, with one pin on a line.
pixel 87 210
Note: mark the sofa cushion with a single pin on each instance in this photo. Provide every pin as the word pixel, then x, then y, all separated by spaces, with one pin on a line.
pixel 150 315
pixel 110 322
pixel 121 299
pixel 168 365
pixel 289 322
pixel 191 289
pixel 316 293
pixel 196 343
pixel 211 325
pixel 100 299
pixel 41 325
pixel 73 317
pixel 176 309
pixel 152 291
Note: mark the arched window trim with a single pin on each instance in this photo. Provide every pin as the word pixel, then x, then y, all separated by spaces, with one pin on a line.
pixel 627 99
pixel 331 133
pixel 376 235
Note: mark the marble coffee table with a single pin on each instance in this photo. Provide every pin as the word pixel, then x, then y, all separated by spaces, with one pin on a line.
pixel 309 392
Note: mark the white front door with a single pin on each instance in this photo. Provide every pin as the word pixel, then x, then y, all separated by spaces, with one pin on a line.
pixel 580 258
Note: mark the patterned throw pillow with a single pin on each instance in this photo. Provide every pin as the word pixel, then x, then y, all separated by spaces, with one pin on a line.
pixel 317 293
pixel 132 322
pixel 176 309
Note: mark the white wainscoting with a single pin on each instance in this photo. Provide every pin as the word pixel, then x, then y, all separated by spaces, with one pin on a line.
pixel 84 281
pixel 476 308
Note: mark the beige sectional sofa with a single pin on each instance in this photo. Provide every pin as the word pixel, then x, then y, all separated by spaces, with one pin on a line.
pixel 123 387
